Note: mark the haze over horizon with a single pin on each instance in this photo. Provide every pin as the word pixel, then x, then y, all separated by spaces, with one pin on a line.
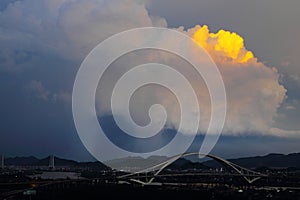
pixel 254 44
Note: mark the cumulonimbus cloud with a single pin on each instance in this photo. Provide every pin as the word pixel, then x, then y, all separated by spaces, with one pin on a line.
pixel 253 89
pixel 72 28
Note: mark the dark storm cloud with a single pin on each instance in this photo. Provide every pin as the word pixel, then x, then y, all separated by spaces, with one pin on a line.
pixel 42 46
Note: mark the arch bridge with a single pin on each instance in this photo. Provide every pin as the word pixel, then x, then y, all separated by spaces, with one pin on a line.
pixel 249 175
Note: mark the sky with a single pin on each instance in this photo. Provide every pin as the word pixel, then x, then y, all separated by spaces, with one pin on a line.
pixel 44 42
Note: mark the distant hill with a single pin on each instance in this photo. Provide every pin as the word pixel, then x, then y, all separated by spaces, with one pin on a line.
pixel 33 161
pixel 57 162
pixel 143 163
pixel 136 163
pixel 183 164
pixel 269 161
pixel 21 161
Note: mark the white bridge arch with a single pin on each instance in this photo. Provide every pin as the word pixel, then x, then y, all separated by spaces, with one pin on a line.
pixel 249 175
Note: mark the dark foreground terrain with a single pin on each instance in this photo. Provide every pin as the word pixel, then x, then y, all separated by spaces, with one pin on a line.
pixel 157 192
pixel 28 178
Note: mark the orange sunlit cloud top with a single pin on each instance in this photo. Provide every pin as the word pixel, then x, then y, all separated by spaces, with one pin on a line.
pixel 229 44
